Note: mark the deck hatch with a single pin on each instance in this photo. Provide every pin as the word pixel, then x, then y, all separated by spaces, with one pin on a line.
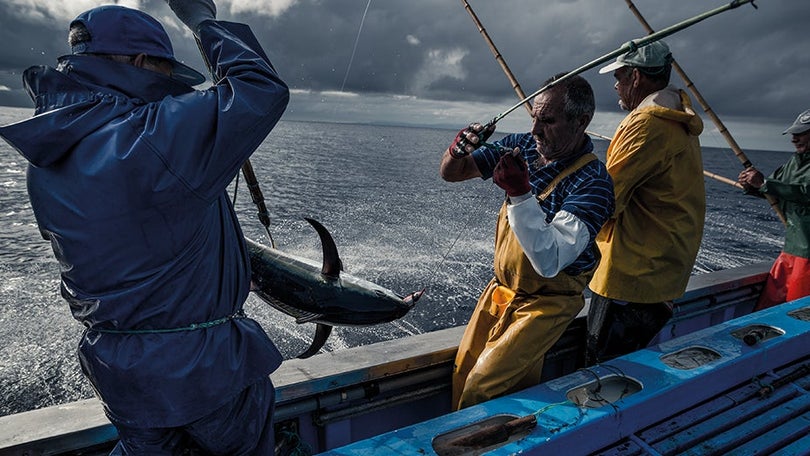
pixel 483 436
pixel 603 391
pixel 802 314
pixel 754 334
pixel 690 358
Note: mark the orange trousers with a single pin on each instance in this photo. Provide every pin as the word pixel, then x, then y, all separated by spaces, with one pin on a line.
pixel 788 280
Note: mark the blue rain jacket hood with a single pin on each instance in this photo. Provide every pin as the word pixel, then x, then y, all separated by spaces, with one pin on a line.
pixel 127 178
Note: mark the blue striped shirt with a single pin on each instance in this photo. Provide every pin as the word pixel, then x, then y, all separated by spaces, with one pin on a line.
pixel 586 193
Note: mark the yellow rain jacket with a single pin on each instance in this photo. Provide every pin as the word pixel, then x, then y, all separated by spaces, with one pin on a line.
pixel 519 316
pixel 650 244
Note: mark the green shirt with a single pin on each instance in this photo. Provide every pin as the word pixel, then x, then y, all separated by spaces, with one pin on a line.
pixel 790 185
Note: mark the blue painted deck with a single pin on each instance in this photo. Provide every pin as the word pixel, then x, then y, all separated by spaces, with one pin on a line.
pixel 718 395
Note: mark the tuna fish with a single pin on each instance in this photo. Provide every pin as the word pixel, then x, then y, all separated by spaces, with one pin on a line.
pixel 321 294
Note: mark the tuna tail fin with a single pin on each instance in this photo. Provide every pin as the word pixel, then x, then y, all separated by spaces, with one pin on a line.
pixel 332 265
pixel 322 332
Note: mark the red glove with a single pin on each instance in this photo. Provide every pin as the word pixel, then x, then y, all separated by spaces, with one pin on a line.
pixel 469 139
pixel 512 175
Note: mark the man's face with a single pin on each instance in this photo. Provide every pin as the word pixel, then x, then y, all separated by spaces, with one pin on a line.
pixel 624 85
pixel 801 142
pixel 555 135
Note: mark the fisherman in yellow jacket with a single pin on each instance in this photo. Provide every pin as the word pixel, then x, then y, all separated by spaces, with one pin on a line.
pixel 650 243
pixel 559 195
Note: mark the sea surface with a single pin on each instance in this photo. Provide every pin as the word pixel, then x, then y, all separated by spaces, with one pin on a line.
pixel 395 222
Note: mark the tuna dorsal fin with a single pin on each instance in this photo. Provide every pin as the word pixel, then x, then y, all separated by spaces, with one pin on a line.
pixel 331 260
pixel 321 334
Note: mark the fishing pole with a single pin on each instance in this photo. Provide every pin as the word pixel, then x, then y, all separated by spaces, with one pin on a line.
pixel 708 110
pixel 625 48
pixel 247 169
pixel 499 58
pixel 258 198
pixel 522 96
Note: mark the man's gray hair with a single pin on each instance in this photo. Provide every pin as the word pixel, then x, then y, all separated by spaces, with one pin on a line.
pixel 78 34
pixel 579 98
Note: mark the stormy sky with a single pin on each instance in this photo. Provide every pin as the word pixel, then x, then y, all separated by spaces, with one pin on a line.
pixel 424 62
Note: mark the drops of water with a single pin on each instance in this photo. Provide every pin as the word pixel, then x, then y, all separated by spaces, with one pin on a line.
pixel 394 220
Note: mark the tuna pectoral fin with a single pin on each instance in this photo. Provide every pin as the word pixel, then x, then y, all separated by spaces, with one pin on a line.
pixel 321 334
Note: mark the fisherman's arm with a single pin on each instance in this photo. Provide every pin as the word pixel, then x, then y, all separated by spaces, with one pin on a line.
pixel 553 246
pixel 783 191
pixel 224 124
pixel 637 153
pixel 788 183
pixel 458 169
pixel 775 185
pixel 550 247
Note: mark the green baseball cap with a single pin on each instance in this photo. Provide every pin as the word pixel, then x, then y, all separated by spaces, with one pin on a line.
pixel 651 55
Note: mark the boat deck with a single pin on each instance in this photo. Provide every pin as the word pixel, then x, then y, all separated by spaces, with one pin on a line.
pixel 740 387
pixel 770 416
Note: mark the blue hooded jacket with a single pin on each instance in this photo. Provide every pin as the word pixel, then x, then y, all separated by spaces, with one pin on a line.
pixel 127 178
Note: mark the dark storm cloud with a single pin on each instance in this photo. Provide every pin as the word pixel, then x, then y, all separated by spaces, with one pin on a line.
pixel 746 62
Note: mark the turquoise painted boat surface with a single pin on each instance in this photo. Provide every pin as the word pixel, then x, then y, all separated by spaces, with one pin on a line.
pixel 740 387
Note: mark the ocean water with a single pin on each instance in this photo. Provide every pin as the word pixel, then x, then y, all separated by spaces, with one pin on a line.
pixel 395 222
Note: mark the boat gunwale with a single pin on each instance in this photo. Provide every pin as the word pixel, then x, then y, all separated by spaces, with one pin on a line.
pixel 62 428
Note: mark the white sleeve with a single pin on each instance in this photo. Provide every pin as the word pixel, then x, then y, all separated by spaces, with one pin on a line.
pixel 550 247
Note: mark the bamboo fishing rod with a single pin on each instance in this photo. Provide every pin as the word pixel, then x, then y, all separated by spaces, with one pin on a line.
pixel 522 96
pixel 708 110
pixel 627 47
pixel 499 57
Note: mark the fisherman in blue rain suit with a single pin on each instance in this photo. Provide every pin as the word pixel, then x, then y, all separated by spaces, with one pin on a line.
pixel 128 170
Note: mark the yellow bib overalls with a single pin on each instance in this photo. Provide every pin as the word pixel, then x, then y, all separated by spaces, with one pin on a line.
pixel 519 316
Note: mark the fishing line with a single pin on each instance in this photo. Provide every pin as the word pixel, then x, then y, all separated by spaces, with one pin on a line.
pixel 562 425
pixel 715 137
pixel 235 188
pixel 447 253
pixel 351 58
pixel 354 50
pixel 466 224
pixel 461 231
